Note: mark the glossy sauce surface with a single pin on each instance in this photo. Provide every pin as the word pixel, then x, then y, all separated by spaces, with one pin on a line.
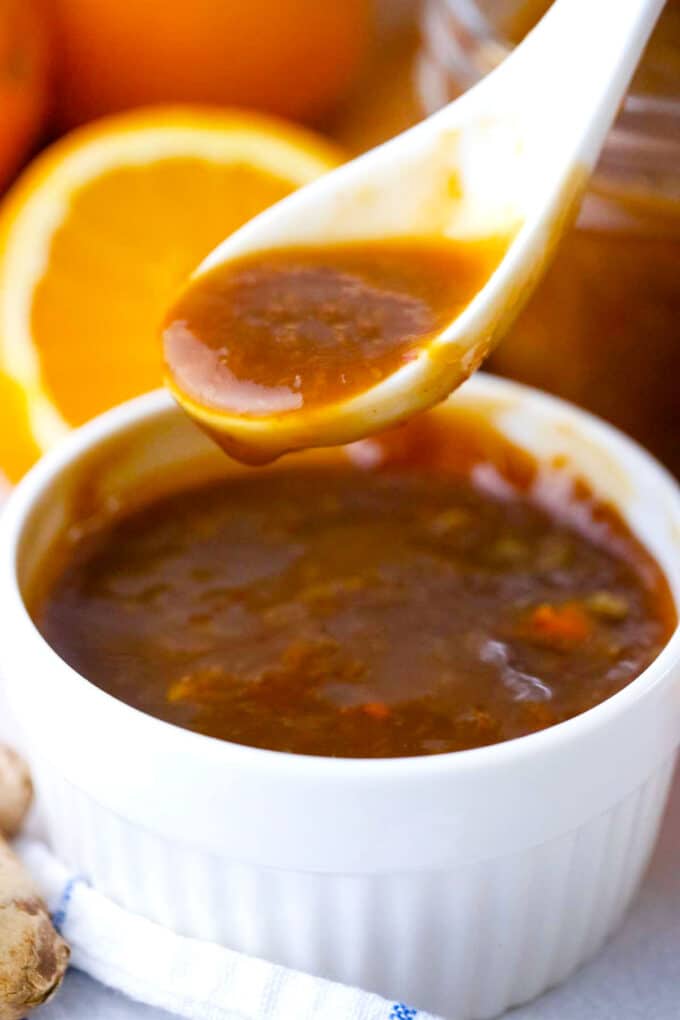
pixel 296 328
pixel 413 600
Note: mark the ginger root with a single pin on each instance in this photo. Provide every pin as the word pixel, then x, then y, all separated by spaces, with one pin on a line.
pixel 16 791
pixel 33 956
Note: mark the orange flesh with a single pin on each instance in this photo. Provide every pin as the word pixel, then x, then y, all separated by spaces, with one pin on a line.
pixel 130 239
pixel 18 449
pixel 296 328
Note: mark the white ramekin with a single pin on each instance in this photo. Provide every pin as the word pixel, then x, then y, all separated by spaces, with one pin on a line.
pixel 463 883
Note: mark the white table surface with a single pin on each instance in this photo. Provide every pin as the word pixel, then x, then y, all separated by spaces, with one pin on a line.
pixel 636 977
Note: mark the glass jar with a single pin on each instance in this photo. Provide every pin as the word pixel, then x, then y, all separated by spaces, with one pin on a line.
pixel 603 328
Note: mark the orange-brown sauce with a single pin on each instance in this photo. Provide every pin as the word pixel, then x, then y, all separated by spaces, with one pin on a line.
pixel 301 327
pixel 413 601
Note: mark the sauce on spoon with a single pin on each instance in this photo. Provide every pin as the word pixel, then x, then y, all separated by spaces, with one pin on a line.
pixel 286 331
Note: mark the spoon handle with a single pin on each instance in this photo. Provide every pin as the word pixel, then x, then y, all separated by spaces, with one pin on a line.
pixel 574 67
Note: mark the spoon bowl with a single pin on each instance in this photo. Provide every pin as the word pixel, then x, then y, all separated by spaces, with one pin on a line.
pixel 506 164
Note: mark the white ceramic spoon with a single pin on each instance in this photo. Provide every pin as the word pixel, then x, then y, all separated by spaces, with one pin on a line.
pixel 510 157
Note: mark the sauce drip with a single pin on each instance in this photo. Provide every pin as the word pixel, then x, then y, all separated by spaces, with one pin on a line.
pixel 293 329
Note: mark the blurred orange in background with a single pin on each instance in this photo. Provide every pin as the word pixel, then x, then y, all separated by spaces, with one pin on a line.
pixel 24 49
pixel 97 235
pixel 295 58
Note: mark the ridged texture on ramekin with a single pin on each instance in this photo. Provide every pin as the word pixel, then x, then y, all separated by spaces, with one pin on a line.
pixel 466 943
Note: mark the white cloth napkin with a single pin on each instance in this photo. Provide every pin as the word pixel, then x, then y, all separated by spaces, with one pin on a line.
pixel 187 977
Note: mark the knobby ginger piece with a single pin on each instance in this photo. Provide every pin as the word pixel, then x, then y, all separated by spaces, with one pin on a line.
pixel 16 791
pixel 33 956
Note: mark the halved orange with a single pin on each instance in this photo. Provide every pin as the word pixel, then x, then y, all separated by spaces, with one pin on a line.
pixel 95 239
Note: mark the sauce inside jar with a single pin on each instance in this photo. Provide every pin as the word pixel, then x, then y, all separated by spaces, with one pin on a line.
pixel 603 328
pixel 412 599
pixel 279 331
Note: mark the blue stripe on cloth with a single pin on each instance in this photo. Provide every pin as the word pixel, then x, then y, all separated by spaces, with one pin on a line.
pixel 59 914
pixel 402 1012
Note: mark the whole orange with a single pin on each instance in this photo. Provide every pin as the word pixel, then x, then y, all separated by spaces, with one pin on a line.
pixel 290 57
pixel 23 80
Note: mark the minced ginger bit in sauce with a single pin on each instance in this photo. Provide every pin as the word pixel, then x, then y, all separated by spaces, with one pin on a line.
pixel 424 605
pixel 295 328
